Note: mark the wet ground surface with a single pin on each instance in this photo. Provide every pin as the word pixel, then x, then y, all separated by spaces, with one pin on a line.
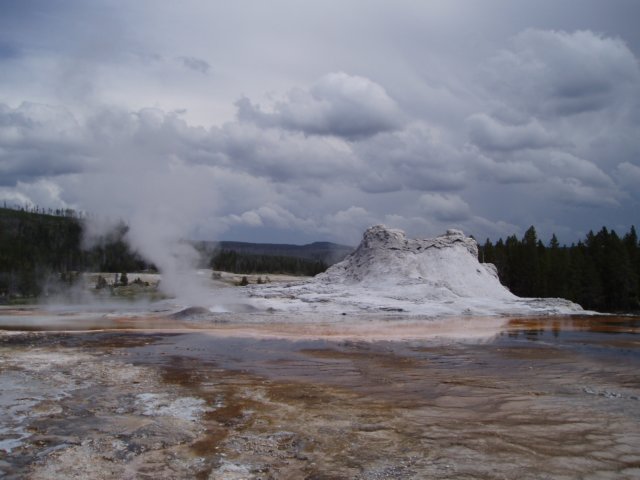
pixel 548 397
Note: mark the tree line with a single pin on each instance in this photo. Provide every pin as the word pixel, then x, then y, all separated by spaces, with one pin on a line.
pixel 38 249
pixel 601 272
pixel 42 250
pixel 58 212
pixel 246 263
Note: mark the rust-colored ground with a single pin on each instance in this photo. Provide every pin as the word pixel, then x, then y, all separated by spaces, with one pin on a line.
pixel 405 398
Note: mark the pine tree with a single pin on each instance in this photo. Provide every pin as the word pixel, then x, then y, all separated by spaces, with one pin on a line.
pixel 557 271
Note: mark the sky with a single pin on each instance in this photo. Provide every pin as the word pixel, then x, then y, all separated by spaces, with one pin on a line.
pixel 287 121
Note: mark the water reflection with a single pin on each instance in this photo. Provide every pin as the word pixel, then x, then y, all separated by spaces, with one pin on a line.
pixel 534 327
pixel 377 397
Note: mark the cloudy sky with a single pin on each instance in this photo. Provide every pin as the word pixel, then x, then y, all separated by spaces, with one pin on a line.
pixel 289 121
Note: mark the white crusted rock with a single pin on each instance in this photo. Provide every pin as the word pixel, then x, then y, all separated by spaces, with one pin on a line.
pixel 448 263
pixel 389 272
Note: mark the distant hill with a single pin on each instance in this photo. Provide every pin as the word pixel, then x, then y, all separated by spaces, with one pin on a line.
pixel 326 252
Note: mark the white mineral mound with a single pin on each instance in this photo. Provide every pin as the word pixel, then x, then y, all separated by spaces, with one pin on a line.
pixel 444 267
pixel 389 272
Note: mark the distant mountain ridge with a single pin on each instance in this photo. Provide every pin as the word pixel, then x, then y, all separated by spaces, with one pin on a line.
pixel 326 252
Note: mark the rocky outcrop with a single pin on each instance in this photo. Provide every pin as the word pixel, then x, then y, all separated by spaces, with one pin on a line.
pixel 447 264
pixel 389 272
pixel 380 237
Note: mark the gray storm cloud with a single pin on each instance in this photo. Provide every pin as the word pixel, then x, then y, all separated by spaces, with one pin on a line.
pixel 491 134
pixel 561 73
pixel 261 128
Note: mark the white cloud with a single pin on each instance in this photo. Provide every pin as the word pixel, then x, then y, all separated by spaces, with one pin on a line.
pixel 271 215
pixel 445 207
pixel 42 193
pixel 490 134
pixel 628 174
pixel 40 140
pixel 507 171
pixel 574 192
pixel 250 219
pixel 283 155
pixel 565 165
pixel 524 126
pixel 348 224
pixel 560 73
pixel 337 104
pixel 415 158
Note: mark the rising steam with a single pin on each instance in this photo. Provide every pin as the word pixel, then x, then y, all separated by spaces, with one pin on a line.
pixel 145 183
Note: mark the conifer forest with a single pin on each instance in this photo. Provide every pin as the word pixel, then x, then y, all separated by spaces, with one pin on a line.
pixel 600 272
